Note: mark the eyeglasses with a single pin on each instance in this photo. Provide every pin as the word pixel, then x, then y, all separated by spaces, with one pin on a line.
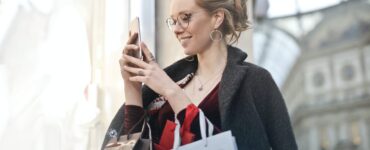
pixel 182 20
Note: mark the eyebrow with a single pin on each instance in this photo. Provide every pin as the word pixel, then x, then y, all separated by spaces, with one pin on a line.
pixel 182 12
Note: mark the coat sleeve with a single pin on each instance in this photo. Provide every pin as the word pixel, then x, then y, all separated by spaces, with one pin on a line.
pixel 115 126
pixel 273 112
pixel 129 117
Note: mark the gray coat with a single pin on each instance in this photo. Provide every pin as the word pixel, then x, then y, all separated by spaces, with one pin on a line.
pixel 250 104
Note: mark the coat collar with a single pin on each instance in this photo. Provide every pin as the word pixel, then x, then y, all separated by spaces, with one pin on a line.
pixel 231 79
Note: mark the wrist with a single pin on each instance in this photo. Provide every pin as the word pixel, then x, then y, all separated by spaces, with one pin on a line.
pixel 177 98
pixel 172 92
pixel 133 94
pixel 134 103
pixel 133 99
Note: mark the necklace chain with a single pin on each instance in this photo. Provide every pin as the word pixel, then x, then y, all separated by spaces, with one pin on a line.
pixel 216 74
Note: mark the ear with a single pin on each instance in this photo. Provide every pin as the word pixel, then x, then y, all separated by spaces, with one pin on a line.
pixel 218 17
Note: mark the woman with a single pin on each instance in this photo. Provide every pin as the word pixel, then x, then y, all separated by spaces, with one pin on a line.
pixel 233 94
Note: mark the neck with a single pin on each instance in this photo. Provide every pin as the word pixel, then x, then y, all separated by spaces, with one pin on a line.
pixel 212 60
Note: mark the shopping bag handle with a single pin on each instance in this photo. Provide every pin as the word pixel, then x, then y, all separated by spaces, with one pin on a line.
pixel 202 124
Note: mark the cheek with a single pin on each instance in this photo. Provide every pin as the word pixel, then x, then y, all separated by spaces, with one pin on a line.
pixel 201 36
pixel 201 28
pixel 201 39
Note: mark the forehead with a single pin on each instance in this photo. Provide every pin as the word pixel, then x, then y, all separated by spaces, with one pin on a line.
pixel 180 6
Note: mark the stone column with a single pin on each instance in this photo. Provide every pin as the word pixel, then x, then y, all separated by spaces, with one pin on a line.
pixel 343 131
pixel 364 134
pixel 332 136
pixel 313 139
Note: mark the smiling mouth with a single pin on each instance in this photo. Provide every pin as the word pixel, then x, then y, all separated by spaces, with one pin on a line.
pixel 184 38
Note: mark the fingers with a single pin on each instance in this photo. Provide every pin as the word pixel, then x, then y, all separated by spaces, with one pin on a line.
pixel 130 47
pixel 140 74
pixel 148 56
pixel 132 39
pixel 126 50
pixel 130 44
pixel 141 79
pixel 136 61
pixel 137 71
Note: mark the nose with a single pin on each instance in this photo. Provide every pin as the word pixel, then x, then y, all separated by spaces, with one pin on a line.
pixel 178 29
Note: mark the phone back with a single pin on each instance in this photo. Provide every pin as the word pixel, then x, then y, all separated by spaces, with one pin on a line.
pixel 135 28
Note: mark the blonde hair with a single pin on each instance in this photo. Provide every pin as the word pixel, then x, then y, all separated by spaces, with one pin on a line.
pixel 236 18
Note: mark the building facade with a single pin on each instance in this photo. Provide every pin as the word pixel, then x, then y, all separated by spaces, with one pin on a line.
pixel 327 89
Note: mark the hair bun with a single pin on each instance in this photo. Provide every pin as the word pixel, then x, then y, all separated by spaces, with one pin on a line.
pixel 241 17
pixel 236 17
pixel 238 4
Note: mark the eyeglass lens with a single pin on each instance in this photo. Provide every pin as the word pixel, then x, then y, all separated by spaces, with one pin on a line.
pixel 182 20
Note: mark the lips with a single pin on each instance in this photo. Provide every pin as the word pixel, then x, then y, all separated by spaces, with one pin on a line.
pixel 184 38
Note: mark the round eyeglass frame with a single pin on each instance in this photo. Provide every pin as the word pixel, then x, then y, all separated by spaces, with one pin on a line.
pixel 171 23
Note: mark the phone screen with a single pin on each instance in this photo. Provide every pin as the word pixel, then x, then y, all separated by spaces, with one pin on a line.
pixel 135 27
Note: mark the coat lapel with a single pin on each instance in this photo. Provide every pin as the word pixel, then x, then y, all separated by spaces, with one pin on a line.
pixel 231 79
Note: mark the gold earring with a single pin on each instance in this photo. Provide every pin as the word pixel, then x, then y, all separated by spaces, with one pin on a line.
pixel 216 33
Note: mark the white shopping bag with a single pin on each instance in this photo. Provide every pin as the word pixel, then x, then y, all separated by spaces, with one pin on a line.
pixel 221 141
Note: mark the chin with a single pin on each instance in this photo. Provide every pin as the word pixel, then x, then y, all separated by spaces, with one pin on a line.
pixel 189 51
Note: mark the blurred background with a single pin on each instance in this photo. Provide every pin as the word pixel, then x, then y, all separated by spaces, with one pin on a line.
pixel 60 82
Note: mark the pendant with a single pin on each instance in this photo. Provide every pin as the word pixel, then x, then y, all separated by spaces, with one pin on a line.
pixel 200 88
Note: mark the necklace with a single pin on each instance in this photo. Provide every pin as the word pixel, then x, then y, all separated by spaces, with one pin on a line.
pixel 216 74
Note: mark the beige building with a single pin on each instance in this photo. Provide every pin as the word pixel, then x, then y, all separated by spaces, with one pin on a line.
pixel 327 87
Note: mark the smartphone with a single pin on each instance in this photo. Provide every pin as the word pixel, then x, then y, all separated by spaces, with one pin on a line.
pixel 135 28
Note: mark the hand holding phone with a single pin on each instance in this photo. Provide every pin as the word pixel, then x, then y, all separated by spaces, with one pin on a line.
pixel 135 28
